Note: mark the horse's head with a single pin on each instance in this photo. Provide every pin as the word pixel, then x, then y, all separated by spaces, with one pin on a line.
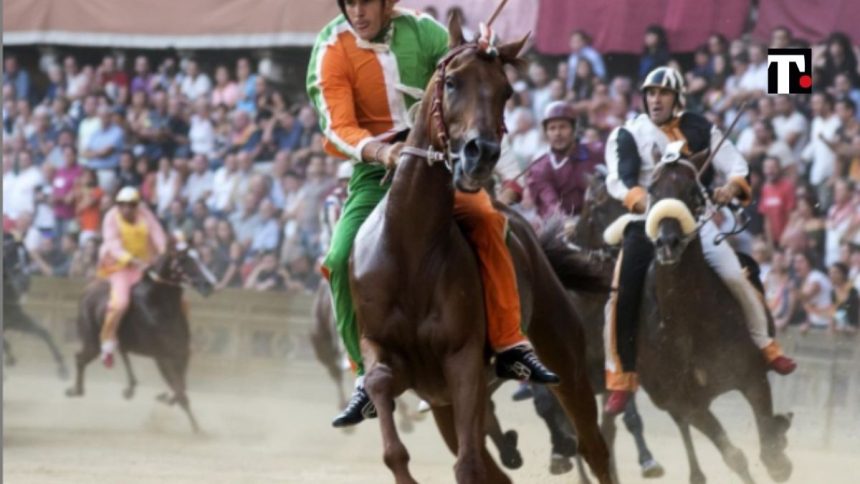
pixel 677 199
pixel 598 212
pixel 182 264
pixel 469 92
pixel 14 255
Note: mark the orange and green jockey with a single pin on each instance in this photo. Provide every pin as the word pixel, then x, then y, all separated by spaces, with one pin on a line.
pixel 133 238
pixel 367 69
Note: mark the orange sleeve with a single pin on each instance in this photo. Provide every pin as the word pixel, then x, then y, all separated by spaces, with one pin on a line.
pixel 336 105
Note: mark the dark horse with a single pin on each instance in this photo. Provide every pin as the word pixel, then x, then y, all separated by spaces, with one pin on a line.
pixel 417 286
pixel 598 212
pixel 15 283
pixel 700 337
pixel 694 345
pixel 155 324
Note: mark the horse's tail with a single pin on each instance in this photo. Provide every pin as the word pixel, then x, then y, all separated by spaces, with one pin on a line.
pixel 576 269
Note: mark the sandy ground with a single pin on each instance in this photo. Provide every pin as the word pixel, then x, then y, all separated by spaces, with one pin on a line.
pixel 266 427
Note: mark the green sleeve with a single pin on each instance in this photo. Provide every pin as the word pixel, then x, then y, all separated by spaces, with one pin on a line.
pixel 434 39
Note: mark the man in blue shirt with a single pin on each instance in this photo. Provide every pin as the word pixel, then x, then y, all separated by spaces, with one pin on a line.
pixel 104 147
pixel 17 77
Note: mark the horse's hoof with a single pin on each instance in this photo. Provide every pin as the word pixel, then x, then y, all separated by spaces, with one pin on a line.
pixel 651 469
pixel 697 478
pixel 510 456
pixel 128 393
pixel 778 466
pixel 559 464
pixel 512 460
pixel 166 398
pixel 74 392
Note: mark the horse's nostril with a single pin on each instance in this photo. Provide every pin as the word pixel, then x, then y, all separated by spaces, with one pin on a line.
pixel 472 150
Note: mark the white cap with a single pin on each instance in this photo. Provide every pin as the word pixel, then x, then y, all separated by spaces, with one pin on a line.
pixel 128 195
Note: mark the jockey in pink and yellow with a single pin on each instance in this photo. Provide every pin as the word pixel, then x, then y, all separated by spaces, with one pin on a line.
pixel 133 238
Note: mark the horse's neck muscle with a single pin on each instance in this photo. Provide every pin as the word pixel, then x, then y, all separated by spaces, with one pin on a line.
pixel 692 277
pixel 421 199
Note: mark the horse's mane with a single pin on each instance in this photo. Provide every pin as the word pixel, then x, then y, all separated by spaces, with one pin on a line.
pixel 575 268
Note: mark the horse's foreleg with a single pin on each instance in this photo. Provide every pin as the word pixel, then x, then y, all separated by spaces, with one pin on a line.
pixel 633 421
pixel 324 340
pixel 707 423
pixel 380 386
pixel 464 373
pixel 771 429
pixel 564 351
pixel 173 374
pixel 696 475
pixel 505 442
pixel 444 417
pixel 7 353
pixel 28 325
pixel 83 358
pixel 561 436
pixel 406 417
pixel 128 392
pixel 609 430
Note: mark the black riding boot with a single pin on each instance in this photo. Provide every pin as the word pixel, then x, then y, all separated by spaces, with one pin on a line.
pixel 359 408
pixel 521 363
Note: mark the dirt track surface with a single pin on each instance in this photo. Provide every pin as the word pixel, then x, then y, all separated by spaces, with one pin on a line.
pixel 266 427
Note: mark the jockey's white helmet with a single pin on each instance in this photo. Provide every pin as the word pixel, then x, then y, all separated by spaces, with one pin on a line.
pixel 128 195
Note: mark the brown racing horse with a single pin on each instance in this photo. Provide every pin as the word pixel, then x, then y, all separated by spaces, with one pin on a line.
pixel 155 325
pixel 598 212
pixel 417 287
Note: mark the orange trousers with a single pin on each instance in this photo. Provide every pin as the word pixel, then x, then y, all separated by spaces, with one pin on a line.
pixel 485 227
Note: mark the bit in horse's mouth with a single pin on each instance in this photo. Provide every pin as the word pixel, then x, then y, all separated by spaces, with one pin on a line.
pixel 465 183
pixel 666 257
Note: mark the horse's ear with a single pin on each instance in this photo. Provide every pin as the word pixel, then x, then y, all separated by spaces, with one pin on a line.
pixel 655 153
pixel 509 52
pixel 171 245
pixel 455 32
pixel 698 158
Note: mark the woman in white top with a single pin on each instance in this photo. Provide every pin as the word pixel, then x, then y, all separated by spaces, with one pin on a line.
pixel 166 186
pixel 841 217
pixel 201 134
pixel 813 293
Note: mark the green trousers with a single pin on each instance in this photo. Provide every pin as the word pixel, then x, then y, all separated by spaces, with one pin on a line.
pixel 365 193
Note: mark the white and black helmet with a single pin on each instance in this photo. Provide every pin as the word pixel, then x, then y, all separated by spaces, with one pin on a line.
pixel 666 78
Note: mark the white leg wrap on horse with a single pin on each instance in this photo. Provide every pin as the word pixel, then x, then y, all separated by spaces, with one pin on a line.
pixel 109 346
pixel 359 382
pixel 725 262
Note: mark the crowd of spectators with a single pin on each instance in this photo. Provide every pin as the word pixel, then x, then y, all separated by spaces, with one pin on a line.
pixel 226 160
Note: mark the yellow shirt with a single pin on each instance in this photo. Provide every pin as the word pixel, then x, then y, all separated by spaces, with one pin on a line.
pixel 135 237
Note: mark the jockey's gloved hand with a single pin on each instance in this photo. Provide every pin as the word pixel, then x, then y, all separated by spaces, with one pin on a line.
pixel 390 155
pixel 725 194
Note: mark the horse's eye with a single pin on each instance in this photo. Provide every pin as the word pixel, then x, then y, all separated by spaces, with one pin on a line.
pixel 449 83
